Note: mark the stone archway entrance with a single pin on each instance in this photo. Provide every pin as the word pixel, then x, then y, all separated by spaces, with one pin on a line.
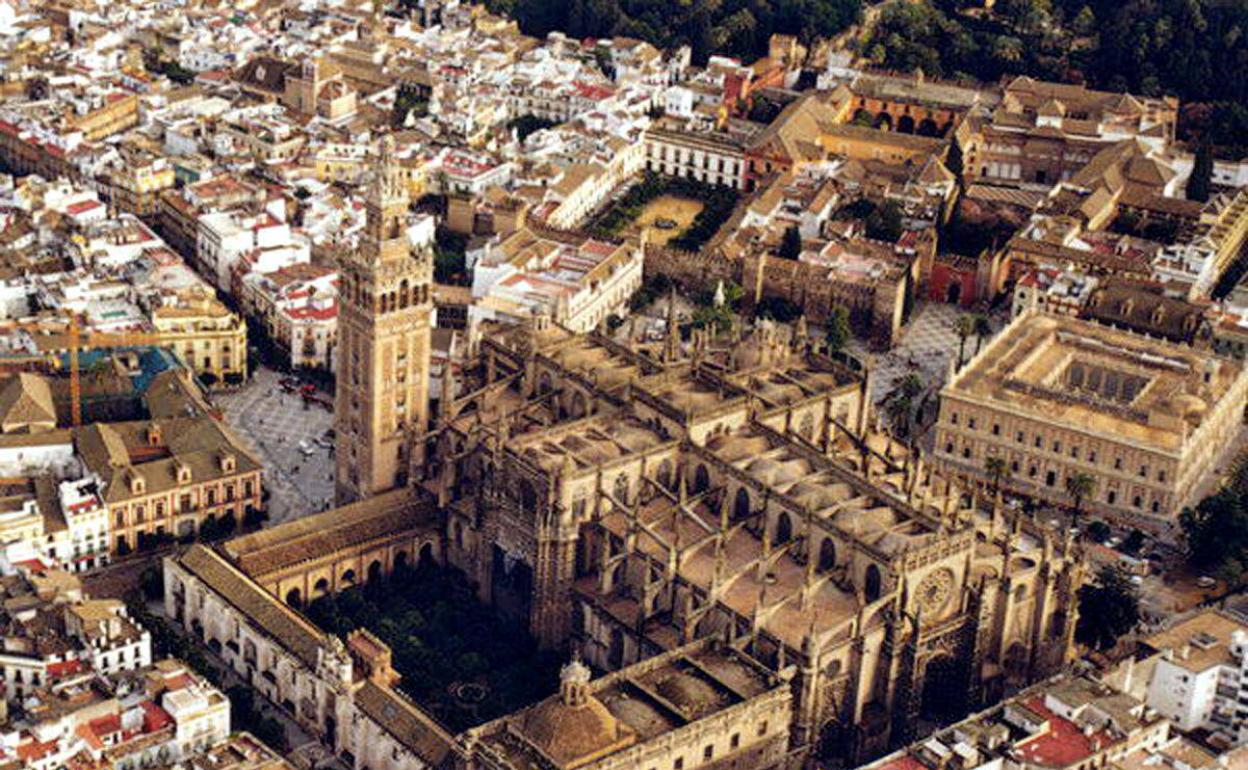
pixel 1016 664
pixel 944 689
pixel 511 584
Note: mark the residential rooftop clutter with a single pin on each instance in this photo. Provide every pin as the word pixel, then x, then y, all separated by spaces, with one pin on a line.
pixel 81 688
pixel 151 462
pixel 1191 673
pixel 1122 213
pixel 118 281
pixel 243 139
pixel 1068 722
pixel 577 284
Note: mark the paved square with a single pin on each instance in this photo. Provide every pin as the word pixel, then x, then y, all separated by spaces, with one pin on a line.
pixel 273 423
pixel 927 344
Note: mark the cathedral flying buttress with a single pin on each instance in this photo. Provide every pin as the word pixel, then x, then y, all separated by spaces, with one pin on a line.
pixel 628 501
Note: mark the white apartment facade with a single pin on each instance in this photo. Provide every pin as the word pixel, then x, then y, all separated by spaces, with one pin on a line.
pixel 576 286
pixel 1200 676
pixel 225 237
pixel 201 716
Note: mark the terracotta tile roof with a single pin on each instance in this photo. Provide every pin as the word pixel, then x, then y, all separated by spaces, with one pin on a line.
pixel 27 399
pixel 402 719
pixel 198 443
pixel 1063 744
pixel 271 616
pixel 312 537
pixel 1144 308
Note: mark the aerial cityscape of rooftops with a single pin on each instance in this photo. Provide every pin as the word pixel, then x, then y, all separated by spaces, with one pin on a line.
pixel 624 385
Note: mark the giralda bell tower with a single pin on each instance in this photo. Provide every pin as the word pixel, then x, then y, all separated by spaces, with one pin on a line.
pixel 384 320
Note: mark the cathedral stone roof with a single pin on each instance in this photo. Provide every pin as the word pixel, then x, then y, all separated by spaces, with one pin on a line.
pixel 693 696
pixel 573 728
pixel 574 735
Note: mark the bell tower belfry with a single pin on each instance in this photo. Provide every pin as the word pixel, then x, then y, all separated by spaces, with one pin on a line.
pixel 385 316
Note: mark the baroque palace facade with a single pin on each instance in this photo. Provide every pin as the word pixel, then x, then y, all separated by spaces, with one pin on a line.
pixel 724 525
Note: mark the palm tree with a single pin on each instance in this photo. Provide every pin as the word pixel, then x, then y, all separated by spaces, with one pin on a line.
pixel 997 468
pixel 982 328
pixel 1079 486
pixel 964 326
pixel 902 400
pixel 909 386
pixel 899 408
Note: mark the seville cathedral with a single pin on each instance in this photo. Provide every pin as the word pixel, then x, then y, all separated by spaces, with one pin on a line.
pixel 718 527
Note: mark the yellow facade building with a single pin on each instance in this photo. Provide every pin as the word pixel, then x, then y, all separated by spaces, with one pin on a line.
pixel 167 477
pixel 205 333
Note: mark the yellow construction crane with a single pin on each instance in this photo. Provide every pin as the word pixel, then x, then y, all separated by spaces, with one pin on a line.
pixel 95 342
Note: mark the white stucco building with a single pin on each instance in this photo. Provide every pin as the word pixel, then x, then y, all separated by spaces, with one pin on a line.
pixel 1200 676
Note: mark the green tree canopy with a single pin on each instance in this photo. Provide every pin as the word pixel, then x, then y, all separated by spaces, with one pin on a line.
pixel 884 223
pixel 1216 530
pixel 733 27
pixel 963 326
pixel 997 469
pixel 1108 608
pixel 837 331
pixel 1080 486
pixel 1099 531
pixel 791 244
pixel 1202 173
